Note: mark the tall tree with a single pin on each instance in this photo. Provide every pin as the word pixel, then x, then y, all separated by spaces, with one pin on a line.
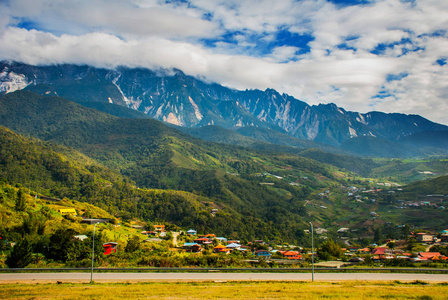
pixel 21 255
pixel 329 249
pixel 20 204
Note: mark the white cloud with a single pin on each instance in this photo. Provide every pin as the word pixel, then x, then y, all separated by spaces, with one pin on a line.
pixel 154 34
pixel 122 18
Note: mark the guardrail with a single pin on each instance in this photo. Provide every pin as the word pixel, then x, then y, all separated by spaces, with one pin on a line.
pixel 258 270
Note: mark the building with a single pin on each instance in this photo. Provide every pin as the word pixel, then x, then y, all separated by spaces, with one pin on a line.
pixel 222 249
pixel 160 228
pixel 192 247
pixel 343 230
pixel 445 238
pixel 292 255
pixel 262 253
pixel 203 241
pixel 233 246
pixel 67 211
pixel 109 247
pixel 80 237
pixel 423 237
pixel 192 232
pixel 94 221
pixel 429 255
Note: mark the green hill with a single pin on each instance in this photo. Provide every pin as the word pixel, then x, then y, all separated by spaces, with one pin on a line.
pixel 69 174
pixel 253 188
pixel 437 185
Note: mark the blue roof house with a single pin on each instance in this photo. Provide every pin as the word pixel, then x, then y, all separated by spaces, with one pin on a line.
pixel 192 232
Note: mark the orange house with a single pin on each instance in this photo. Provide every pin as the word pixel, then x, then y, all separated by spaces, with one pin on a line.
pixel 160 228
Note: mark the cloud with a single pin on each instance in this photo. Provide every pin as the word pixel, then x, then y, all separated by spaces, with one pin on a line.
pixel 312 49
pixel 121 18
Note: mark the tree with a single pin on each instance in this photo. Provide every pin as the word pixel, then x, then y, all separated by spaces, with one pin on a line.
pixel 378 235
pixel 60 244
pixel 329 249
pixel 21 255
pixel 391 245
pixel 20 204
pixel 133 244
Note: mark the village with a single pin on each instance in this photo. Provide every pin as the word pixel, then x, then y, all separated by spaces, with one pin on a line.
pixel 258 251
pixel 417 247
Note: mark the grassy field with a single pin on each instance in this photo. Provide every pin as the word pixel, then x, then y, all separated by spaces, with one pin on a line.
pixel 227 290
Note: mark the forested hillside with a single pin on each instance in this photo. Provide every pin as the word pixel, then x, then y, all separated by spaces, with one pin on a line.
pixel 33 164
pixel 257 193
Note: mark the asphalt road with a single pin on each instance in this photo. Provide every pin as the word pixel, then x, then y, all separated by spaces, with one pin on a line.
pixel 214 276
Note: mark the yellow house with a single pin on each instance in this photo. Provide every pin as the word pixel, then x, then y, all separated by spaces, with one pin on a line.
pixel 67 211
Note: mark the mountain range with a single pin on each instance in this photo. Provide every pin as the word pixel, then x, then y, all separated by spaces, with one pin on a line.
pixel 209 111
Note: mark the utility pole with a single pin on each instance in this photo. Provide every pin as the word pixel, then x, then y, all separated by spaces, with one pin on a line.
pixel 93 251
pixel 312 252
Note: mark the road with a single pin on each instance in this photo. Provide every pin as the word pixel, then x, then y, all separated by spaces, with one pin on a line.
pixel 214 276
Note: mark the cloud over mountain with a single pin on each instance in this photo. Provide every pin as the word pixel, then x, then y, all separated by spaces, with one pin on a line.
pixel 387 55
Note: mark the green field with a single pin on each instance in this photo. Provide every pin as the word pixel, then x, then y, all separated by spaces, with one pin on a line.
pixel 227 290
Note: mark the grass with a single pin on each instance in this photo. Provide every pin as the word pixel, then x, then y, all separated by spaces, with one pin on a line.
pixel 227 290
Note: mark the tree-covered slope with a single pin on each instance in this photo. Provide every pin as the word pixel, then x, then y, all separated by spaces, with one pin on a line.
pixel 437 185
pixel 65 173
pixel 263 187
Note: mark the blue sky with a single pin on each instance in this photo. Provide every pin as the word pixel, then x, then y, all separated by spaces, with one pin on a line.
pixel 363 55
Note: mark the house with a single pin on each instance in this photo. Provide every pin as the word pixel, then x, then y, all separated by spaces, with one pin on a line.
pixel 356 260
pixel 378 258
pixel 67 211
pixel 192 232
pixel 210 236
pixel 203 241
pixel 138 226
pixel 148 233
pixel 382 253
pixel 233 242
pixel 423 237
pixel 160 228
pixel 192 247
pixel 364 250
pixel 81 237
pixel 221 239
pixel 445 238
pixel 109 247
pixel 379 251
pixel 262 253
pixel 320 230
pixel 222 249
pixel 292 255
pixel 95 221
pixel 429 255
pixel 243 249
pixel 343 230
pixel 233 246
